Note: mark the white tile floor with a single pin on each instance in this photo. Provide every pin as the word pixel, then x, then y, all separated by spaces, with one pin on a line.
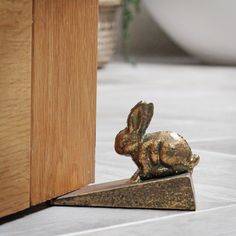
pixel 195 101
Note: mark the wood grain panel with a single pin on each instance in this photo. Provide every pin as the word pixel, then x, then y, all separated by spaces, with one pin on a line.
pixel 64 96
pixel 15 95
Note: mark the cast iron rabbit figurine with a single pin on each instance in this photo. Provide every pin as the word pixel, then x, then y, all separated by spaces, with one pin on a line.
pixel 157 154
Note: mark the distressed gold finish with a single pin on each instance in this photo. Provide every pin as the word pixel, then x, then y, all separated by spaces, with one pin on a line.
pixel 156 155
pixel 173 192
pixel 163 180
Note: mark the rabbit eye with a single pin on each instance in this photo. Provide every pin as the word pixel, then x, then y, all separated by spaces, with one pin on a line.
pixel 124 143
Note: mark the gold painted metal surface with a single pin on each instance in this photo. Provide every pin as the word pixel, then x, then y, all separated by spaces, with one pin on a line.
pixel 173 192
pixel 156 155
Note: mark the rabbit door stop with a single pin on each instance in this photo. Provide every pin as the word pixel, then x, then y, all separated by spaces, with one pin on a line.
pixel 163 179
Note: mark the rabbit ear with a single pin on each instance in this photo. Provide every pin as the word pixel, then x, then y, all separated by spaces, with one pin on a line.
pixel 140 117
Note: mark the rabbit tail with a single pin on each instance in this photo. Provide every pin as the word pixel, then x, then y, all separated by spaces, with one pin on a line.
pixel 194 160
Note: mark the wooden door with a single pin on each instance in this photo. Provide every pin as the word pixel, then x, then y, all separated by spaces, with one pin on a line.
pixel 47 99
pixel 15 93
pixel 64 91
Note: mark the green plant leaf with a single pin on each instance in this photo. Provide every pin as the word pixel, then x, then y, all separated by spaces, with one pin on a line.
pixel 130 8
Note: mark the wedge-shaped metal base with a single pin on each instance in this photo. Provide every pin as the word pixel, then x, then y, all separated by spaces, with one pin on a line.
pixel 175 192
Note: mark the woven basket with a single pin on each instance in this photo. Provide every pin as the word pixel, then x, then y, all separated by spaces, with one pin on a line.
pixel 107 30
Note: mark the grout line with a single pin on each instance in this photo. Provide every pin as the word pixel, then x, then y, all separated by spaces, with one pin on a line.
pixel 141 222
pixel 229 155
pixel 211 139
pixel 189 140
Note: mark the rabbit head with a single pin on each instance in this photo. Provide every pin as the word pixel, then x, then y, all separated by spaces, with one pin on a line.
pixel 128 139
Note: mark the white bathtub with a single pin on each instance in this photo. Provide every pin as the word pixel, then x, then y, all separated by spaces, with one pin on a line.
pixel 204 28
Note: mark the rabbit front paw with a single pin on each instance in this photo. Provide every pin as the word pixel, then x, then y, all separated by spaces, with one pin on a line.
pixel 135 178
